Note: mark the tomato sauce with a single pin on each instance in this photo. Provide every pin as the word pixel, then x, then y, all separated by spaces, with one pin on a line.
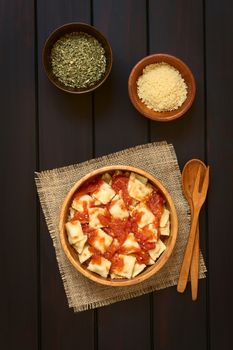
pixel 147 234
pixel 142 257
pixel 82 216
pixel 105 220
pixel 89 187
pixel 120 183
pixel 115 227
pixel 96 255
pixel 143 241
pixel 117 264
pixel 156 203
pixel 87 229
pixel 142 235
pixel 111 250
pixel 92 236
pixel 92 204
pixel 136 218
pixel 147 245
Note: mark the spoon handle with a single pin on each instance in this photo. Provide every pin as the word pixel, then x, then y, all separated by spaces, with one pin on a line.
pixel 194 269
pixel 184 272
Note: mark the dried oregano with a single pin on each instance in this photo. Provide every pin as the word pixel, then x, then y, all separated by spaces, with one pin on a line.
pixel 78 60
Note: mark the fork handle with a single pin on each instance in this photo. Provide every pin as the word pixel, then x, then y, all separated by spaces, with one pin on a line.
pixel 194 269
pixel 184 272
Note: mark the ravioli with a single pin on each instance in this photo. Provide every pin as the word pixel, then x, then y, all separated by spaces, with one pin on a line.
pixel 151 232
pixel 126 270
pixel 74 231
pixel 158 250
pixel 138 268
pixel 164 218
pixel 146 216
pixel 79 245
pixel 105 193
pixel 100 266
pixel 165 231
pixel 118 209
pixel 137 189
pixel 106 177
pixel 113 275
pixel 130 245
pixel 85 254
pixel 78 202
pixel 94 221
pixel 71 213
pixel 113 233
pixel 150 261
pixel 101 240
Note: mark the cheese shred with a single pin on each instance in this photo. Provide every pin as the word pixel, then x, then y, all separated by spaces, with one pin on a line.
pixel 161 87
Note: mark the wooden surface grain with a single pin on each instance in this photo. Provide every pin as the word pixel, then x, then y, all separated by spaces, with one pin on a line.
pixel 65 137
pixel 18 248
pixel 115 120
pixel 219 131
pixel 179 30
pixel 43 128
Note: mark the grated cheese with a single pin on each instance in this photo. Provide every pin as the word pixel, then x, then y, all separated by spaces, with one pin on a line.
pixel 161 87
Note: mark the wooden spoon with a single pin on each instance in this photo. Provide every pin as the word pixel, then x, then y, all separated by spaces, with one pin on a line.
pixel 189 175
pixel 198 199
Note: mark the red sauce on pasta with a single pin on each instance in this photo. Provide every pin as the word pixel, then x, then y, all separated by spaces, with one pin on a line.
pixel 89 187
pixel 120 183
pixel 111 250
pixel 96 256
pixel 117 264
pixel 82 216
pixel 92 236
pixel 87 229
pixel 156 203
pixel 117 228
pixel 142 257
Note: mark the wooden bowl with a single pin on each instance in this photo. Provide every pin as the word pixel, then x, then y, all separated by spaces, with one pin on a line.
pixel 149 271
pixel 66 29
pixel 186 75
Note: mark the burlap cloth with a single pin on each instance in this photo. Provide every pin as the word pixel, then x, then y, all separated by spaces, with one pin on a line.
pixel 160 160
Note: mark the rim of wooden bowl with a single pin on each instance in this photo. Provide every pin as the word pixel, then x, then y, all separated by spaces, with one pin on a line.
pixel 71 253
pixel 186 74
pixel 66 29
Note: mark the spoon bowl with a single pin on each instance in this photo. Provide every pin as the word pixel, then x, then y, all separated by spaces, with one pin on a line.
pixel 189 175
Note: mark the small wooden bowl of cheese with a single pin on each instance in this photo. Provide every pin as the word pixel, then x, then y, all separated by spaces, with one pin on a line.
pixel 118 225
pixel 161 87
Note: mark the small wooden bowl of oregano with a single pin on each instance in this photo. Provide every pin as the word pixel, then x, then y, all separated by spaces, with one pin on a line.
pixel 77 58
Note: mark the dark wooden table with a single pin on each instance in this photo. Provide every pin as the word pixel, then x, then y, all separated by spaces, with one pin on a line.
pixel 43 128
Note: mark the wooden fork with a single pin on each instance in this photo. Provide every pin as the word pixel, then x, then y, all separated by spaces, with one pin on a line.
pixel 198 198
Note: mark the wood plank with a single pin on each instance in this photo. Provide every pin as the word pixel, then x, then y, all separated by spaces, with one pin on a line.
pixel 124 24
pixel 177 28
pixel 219 76
pixel 18 249
pixel 65 138
pixel 65 119
pixel 124 325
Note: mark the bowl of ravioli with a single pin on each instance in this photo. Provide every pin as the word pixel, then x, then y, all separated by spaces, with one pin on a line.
pixel 118 225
